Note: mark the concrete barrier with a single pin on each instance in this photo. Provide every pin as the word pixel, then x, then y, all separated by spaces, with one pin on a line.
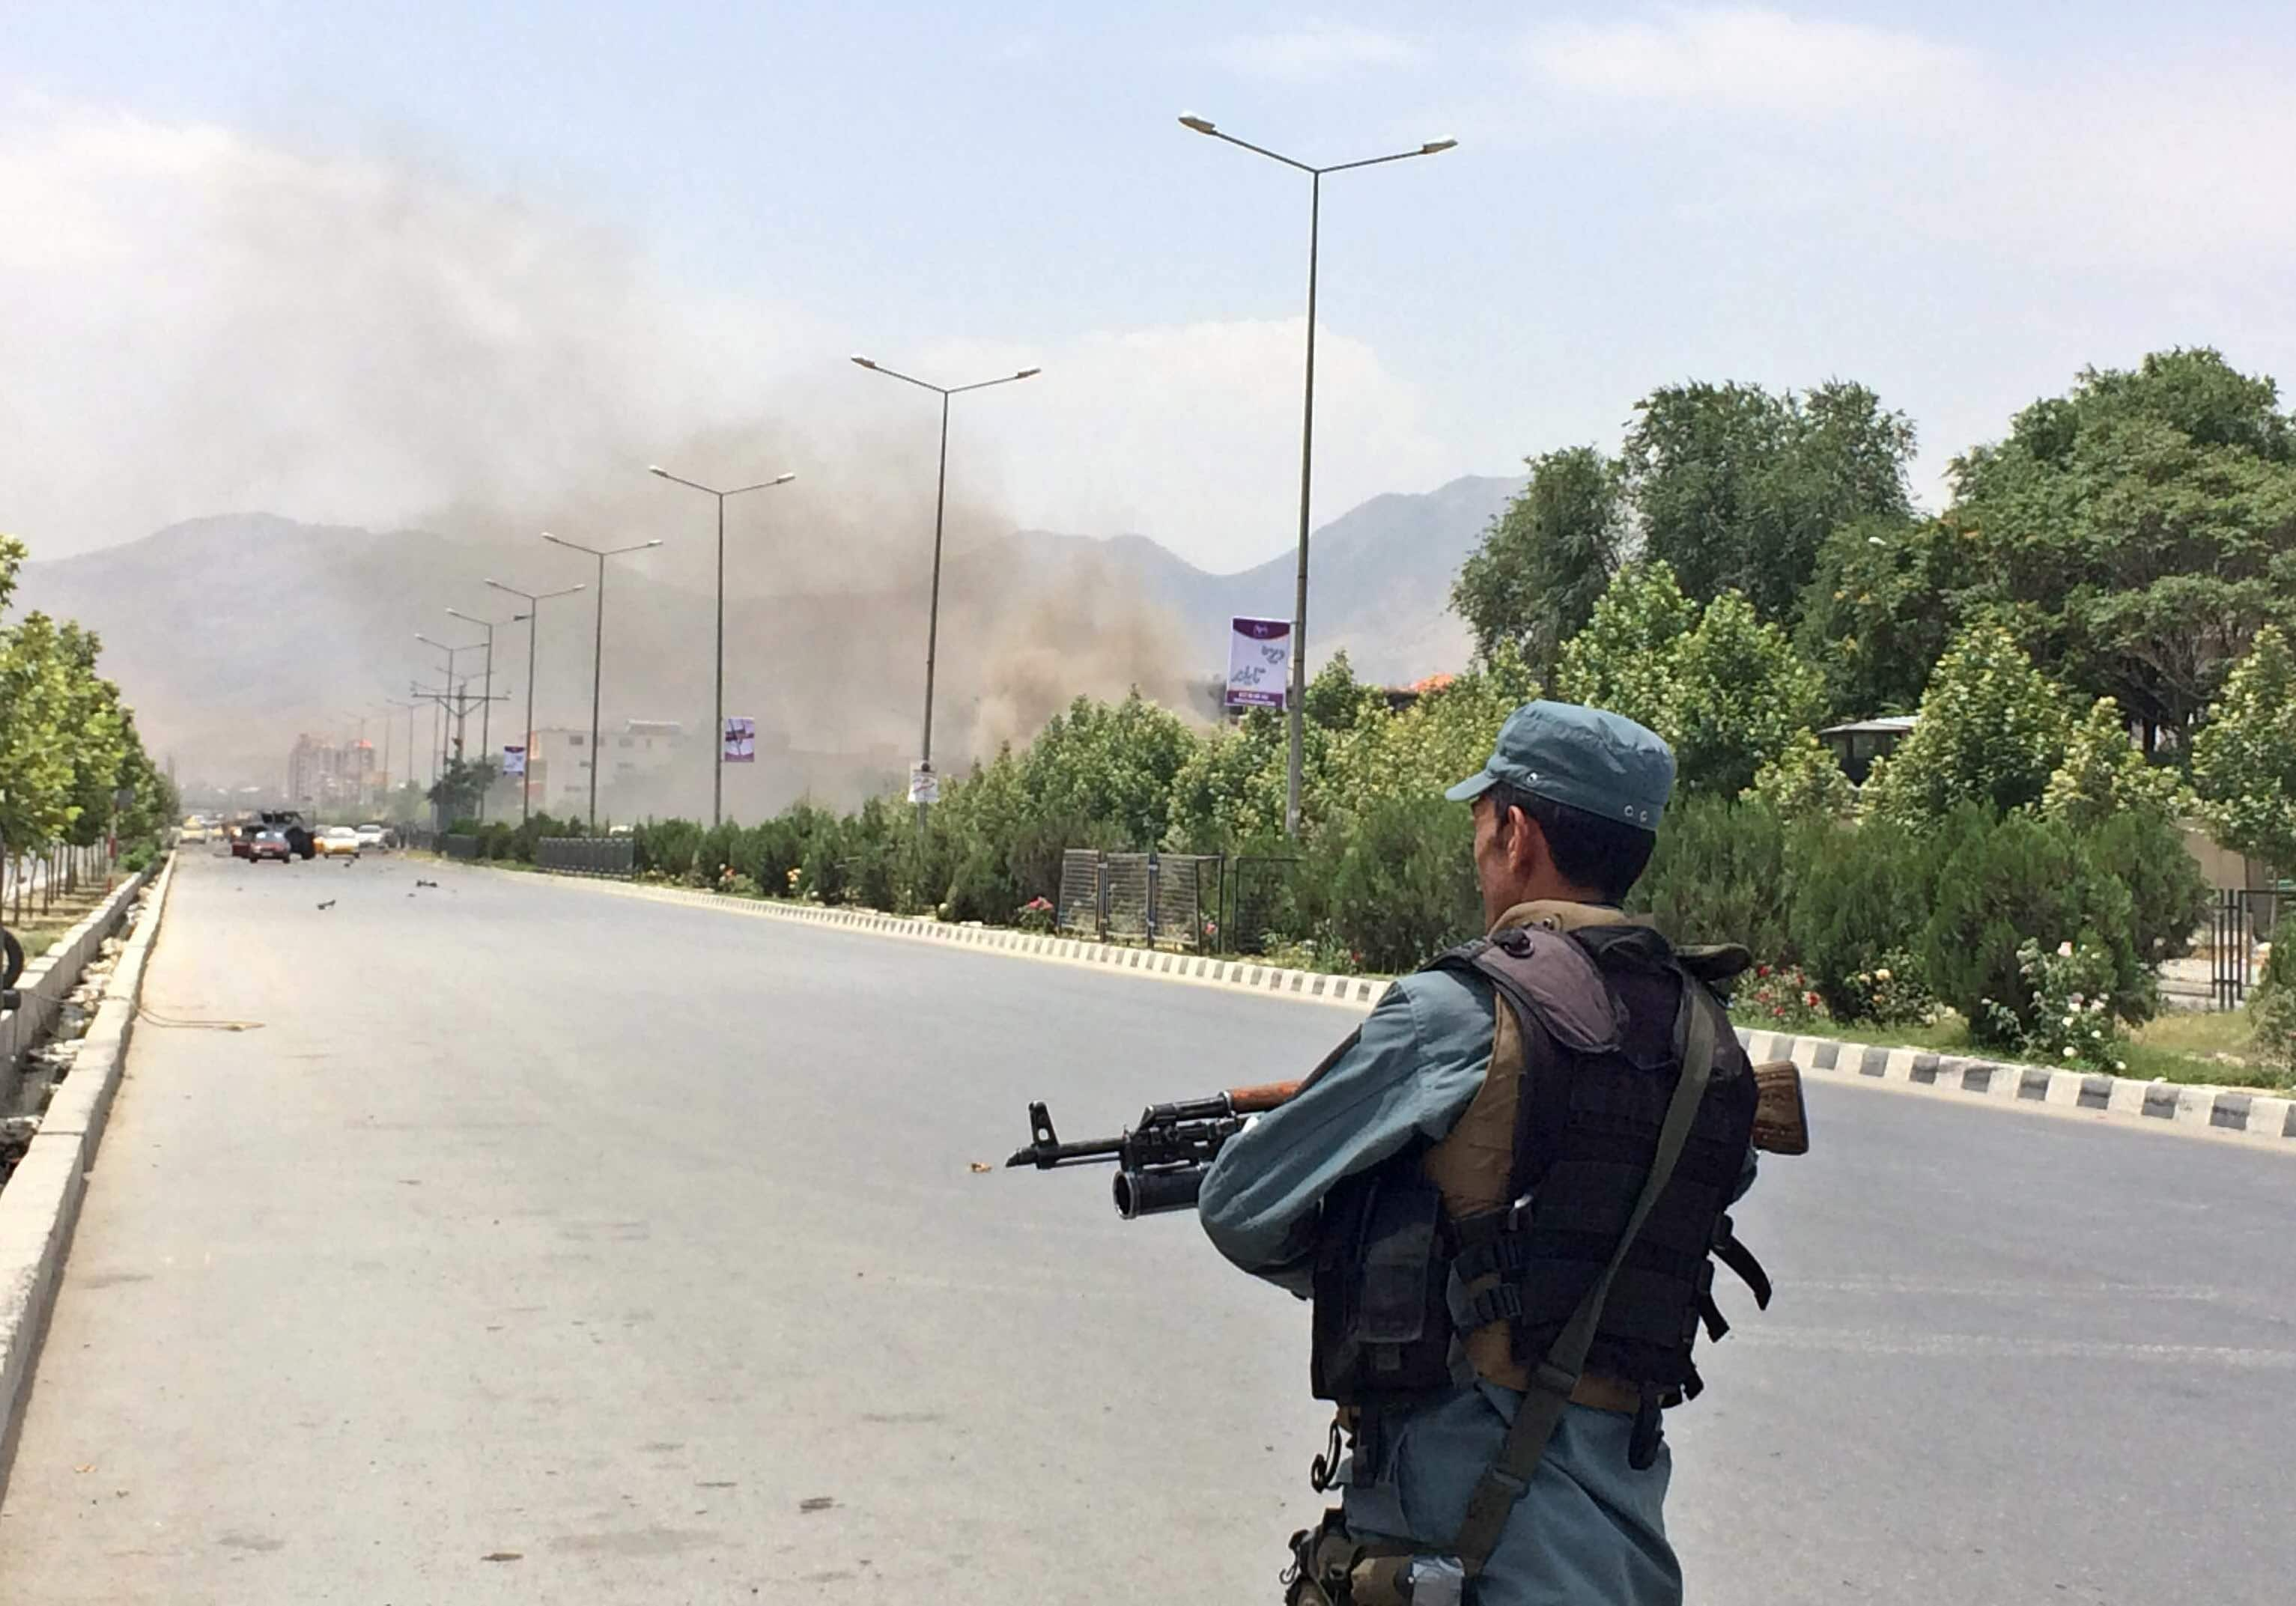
pixel 49 979
pixel 39 1207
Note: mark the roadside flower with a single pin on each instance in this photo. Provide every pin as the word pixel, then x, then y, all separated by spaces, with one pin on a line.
pixel 2064 950
pixel 2069 1051
pixel 1881 975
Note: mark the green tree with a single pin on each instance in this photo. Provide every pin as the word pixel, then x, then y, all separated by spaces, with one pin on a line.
pixel 458 791
pixel 1624 659
pixel 1544 562
pixel 2136 531
pixel 2244 758
pixel 37 773
pixel 1804 781
pixel 2102 774
pixel 1728 690
pixel 1875 616
pixel 1992 731
pixel 1743 697
pixel 1737 488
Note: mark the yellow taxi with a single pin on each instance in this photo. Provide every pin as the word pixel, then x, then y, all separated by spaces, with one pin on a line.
pixel 336 841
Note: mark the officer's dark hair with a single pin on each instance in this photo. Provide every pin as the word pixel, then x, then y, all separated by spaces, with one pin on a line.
pixel 1608 855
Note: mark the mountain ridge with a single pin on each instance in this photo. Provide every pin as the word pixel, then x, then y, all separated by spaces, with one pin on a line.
pixel 231 633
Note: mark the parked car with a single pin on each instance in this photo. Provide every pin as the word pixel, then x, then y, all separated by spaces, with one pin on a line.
pixel 266 843
pixel 337 841
pixel 376 836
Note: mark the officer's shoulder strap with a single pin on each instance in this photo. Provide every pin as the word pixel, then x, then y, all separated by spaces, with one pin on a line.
pixel 1552 979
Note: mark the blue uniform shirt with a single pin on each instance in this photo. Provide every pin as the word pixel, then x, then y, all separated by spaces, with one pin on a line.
pixel 1591 1528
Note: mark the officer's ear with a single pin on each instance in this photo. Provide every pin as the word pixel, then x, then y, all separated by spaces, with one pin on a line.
pixel 1520 840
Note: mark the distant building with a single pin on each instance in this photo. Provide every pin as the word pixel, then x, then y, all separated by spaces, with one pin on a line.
pixel 560 762
pixel 322 775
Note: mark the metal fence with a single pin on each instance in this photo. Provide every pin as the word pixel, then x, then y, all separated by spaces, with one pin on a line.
pixel 459 847
pixel 2242 918
pixel 587 855
pixel 1171 899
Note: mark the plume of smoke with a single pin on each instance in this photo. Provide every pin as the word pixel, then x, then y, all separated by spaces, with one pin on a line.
pixel 337 338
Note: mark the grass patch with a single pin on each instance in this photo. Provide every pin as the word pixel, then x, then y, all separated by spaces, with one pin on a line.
pixel 42 931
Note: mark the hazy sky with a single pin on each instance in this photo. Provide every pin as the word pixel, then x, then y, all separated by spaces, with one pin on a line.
pixel 365 262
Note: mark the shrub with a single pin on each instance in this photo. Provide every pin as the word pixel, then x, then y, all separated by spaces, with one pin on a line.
pixel 1863 900
pixel 2170 897
pixel 2024 880
pixel 1721 874
pixel 2062 1016
pixel 1893 993
pixel 1776 999
pixel 2272 1010
pixel 665 847
pixel 1394 883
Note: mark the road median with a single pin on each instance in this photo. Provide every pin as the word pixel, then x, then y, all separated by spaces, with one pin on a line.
pixel 39 1206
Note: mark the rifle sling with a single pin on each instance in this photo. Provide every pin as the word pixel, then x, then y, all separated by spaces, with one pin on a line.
pixel 1508 1477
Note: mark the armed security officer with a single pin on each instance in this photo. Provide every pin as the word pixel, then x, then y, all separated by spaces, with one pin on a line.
pixel 1502 1192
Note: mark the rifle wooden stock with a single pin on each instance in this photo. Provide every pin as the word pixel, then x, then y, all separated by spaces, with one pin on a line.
pixel 1268 1095
pixel 1781 1123
pixel 1781 1120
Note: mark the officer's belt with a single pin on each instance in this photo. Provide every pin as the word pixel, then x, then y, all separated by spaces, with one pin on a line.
pixel 1606 1394
pixel 1593 1389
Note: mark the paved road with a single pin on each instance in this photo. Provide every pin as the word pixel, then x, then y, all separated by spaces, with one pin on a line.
pixel 613 1235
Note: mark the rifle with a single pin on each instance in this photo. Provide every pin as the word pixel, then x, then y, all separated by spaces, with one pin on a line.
pixel 1161 1163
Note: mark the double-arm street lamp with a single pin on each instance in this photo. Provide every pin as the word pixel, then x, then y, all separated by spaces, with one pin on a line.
pixel 598 646
pixel 487 708
pixel 718 767
pixel 1299 696
pixel 940 504
pixel 534 601
pixel 452 653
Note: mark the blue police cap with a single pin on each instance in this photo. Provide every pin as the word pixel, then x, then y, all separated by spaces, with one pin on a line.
pixel 1588 758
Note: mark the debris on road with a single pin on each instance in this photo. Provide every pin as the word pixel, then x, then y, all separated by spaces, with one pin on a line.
pixel 819 1502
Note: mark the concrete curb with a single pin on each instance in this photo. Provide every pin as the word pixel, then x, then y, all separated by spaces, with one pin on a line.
pixel 2257 1119
pixel 40 1206
pixel 2261 1119
pixel 1357 993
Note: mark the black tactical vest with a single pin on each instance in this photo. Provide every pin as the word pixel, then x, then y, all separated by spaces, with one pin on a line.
pixel 1602 1012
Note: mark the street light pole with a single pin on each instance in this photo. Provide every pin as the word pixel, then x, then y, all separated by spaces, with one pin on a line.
pixel 455 728
pixel 597 648
pixel 487 708
pixel 1298 699
pixel 718 767
pixel 534 601
pixel 409 705
pixel 940 505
